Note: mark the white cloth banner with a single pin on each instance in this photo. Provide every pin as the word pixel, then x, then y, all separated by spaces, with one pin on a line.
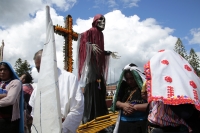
pixel 47 111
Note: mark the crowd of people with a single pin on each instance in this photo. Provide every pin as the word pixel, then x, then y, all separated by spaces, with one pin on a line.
pixel 164 98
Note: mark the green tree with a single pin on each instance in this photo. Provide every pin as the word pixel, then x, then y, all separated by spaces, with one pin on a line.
pixel 194 61
pixel 180 49
pixel 22 67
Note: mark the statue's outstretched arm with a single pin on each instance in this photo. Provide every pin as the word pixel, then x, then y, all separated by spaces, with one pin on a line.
pixel 97 50
pixel 107 53
pixel 113 54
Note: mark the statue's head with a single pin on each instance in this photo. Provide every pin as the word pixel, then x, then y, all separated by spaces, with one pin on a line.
pixel 99 22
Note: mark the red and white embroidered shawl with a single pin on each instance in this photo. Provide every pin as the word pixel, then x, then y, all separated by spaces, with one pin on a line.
pixel 171 79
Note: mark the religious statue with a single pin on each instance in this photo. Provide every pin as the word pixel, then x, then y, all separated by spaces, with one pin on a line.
pixel 93 68
pixel 1 51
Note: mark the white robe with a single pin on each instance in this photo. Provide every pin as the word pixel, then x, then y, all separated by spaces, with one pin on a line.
pixel 71 101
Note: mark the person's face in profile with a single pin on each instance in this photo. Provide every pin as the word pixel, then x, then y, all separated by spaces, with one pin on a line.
pixel 130 79
pixel 37 64
pixel 5 73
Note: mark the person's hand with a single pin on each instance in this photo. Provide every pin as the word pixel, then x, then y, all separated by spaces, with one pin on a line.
pixel 2 95
pixel 128 108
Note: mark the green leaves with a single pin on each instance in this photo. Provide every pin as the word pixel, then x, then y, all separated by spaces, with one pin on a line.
pixel 21 67
pixel 192 58
pixel 194 61
pixel 180 49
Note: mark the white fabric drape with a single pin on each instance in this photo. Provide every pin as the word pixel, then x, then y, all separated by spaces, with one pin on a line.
pixel 71 101
pixel 47 114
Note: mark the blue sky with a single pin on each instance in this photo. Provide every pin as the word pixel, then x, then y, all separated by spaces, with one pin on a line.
pixel 179 15
pixel 136 29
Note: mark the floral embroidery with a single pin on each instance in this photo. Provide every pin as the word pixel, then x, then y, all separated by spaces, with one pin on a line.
pixel 170 91
pixel 168 79
pixel 195 94
pixel 147 70
pixel 165 62
pixel 192 83
pixel 161 50
pixel 187 68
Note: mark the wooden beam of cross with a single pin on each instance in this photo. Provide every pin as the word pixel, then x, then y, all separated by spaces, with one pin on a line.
pixel 68 35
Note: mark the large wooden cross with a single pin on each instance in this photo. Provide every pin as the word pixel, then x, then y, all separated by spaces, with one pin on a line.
pixel 69 35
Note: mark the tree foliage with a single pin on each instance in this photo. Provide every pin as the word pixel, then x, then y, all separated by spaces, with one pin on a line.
pixel 194 61
pixel 192 58
pixel 180 49
pixel 21 67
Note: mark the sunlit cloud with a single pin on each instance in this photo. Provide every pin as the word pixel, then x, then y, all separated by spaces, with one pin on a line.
pixel 195 36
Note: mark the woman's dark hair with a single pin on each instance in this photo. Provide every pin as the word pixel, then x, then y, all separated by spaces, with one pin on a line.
pixel 28 78
pixel 132 65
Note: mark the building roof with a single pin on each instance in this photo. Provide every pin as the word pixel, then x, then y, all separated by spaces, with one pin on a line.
pixel 111 87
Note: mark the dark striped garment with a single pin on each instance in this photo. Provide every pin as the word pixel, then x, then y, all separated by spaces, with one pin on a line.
pixel 161 115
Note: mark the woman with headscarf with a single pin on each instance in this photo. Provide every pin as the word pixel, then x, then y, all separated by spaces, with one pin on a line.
pixel 11 118
pixel 132 115
pixel 173 94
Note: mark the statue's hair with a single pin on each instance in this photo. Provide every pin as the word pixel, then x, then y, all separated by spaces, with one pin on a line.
pixel 38 54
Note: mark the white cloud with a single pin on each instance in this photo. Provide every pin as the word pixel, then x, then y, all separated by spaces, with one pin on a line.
pixel 135 41
pixel 61 4
pixel 116 3
pixel 16 12
pixel 130 3
pixel 112 3
pixel 23 40
pixel 196 36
